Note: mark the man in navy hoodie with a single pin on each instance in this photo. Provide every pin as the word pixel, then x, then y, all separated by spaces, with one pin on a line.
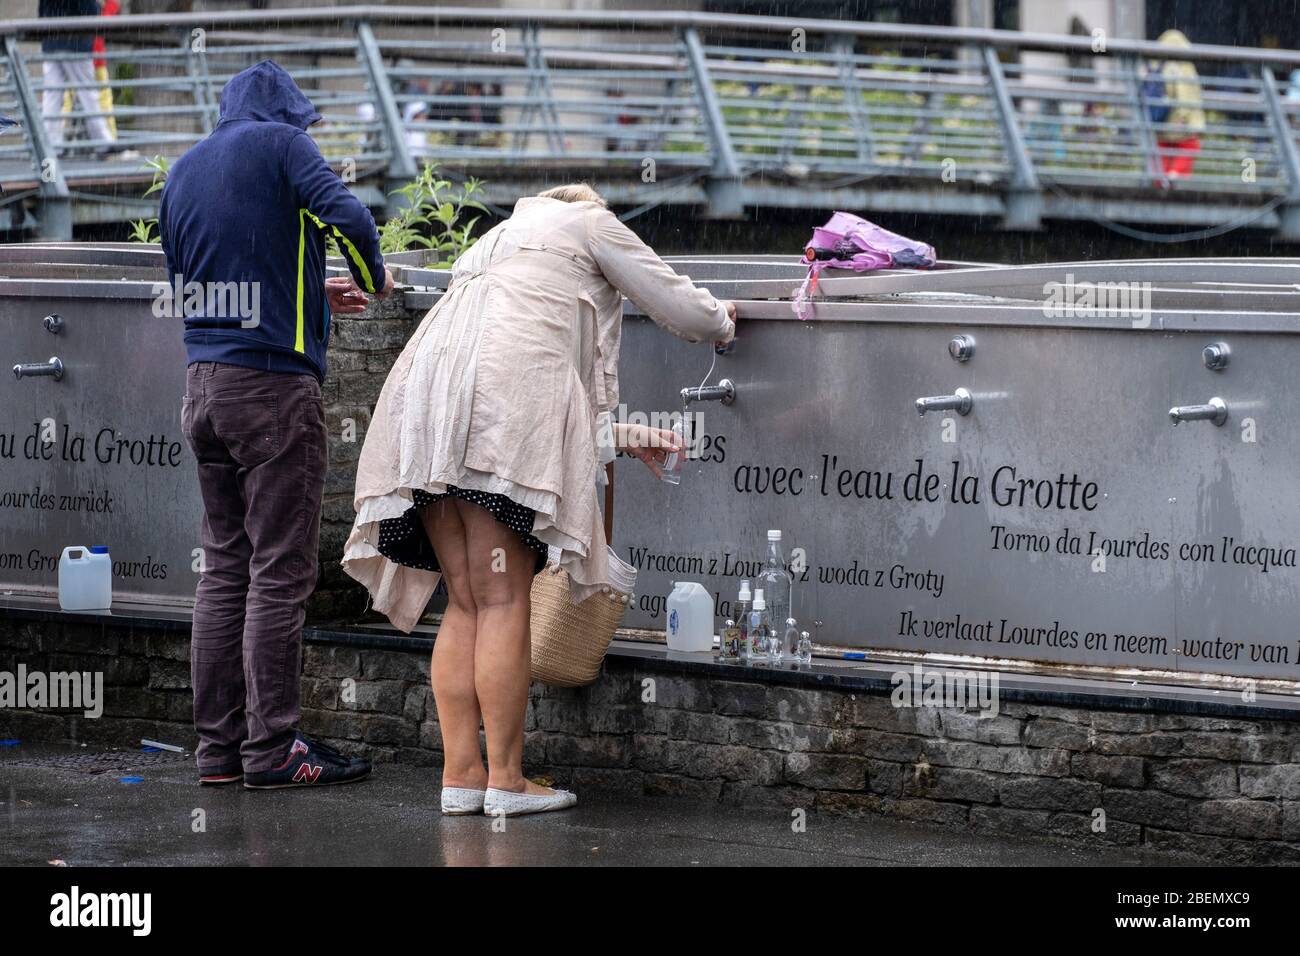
pixel 244 218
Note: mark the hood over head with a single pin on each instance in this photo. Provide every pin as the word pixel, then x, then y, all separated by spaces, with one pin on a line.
pixel 268 94
pixel 1174 38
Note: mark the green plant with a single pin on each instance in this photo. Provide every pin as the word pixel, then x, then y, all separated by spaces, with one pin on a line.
pixel 430 216
pixel 146 230
pixel 124 95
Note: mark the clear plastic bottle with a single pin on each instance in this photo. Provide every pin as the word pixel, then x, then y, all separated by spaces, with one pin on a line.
pixel 774 646
pixel 788 648
pixel 804 654
pixel 729 642
pixel 760 629
pixel 776 580
pixel 743 599
pixel 672 467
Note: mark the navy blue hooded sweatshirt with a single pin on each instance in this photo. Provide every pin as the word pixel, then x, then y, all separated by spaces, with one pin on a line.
pixel 251 204
pixel 67 42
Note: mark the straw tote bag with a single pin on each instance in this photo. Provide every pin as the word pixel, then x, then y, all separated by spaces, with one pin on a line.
pixel 570 640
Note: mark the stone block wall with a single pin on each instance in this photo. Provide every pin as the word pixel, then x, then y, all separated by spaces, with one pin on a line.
pixel 146 682
pixel 1226 788
pixel 362 350
pixel 1222 787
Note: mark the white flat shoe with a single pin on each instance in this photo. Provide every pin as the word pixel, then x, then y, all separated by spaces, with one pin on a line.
pixel 458 801
pixel 507 803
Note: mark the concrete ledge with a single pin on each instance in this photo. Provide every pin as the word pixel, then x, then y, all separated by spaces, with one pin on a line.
pixel 870 676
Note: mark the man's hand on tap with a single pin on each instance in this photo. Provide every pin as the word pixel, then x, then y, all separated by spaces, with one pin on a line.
pixel 345 296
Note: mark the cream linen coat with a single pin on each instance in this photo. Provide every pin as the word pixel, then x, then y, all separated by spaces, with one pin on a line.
pixel 506 387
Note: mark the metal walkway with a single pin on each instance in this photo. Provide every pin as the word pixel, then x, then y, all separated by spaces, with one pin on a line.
pixel 720 111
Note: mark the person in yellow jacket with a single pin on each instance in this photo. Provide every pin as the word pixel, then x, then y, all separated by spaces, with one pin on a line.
pixel 1178 114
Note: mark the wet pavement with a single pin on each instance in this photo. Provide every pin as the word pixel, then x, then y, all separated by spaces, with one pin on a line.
pixel 91 807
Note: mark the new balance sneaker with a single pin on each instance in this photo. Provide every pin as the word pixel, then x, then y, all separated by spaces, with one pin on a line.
pixel 220 775
pixel 310 763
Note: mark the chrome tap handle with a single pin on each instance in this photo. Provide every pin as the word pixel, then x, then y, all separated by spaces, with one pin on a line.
pixel 53 368
pixel 1212 411
pixel 724 392
pixel 959 402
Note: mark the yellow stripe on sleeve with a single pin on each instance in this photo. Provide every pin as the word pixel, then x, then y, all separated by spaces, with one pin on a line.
pixel 298 343
pixel 367 281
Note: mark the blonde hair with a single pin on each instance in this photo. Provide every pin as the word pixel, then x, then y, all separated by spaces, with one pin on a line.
pixel 574 192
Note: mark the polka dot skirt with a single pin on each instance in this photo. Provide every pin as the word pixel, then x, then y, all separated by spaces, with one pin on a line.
pixel 403 540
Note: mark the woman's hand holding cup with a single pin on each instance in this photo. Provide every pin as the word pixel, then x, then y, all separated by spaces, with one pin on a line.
pixel 651 445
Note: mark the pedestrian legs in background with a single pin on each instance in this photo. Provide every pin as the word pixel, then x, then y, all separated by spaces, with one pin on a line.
pixel 75 77
pixel 1178 157
pixel 105 99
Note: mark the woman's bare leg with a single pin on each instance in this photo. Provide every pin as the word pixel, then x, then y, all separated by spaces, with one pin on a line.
pixel 501 578
pixel 452 669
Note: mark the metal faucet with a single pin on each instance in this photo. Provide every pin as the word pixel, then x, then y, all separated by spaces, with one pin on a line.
pixel 959 402
pixel 724 392
pixel 52 368
pixel 1215 410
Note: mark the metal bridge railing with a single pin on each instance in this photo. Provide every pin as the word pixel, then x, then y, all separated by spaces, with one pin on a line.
pixel 735 110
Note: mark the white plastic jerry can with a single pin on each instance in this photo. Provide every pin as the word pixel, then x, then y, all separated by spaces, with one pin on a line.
pixel 85 579
pixel 690 618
